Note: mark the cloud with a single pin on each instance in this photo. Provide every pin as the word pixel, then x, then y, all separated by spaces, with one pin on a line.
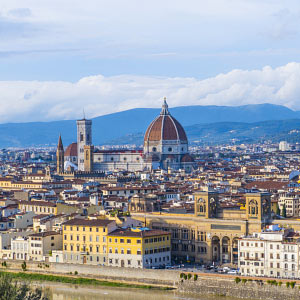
pixel 24 101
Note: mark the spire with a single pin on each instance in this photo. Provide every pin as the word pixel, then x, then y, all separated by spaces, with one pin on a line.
pixel 164 109
pixel 60 144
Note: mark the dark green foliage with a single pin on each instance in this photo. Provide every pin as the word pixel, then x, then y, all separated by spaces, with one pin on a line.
pixel 287 284
pixel 181 275
pixel 24 266
pixel 279 283
pixel 283 212
pixel 195 277
pixel 75 273
pixel 10 289
pixel 292 284
pixel 277 210
pixel 185 277
pixel 237 279
pixel 189 276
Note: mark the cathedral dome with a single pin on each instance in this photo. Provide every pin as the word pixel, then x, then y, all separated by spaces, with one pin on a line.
pixel 71 150
pixel 165 127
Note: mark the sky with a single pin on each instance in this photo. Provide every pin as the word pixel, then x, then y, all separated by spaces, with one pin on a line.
pixel 58 57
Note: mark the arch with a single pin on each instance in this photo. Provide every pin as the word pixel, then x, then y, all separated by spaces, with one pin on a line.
pixel 215 248
pixel 226 250
pixel 253 207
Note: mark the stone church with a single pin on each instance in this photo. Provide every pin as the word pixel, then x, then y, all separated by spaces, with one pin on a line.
pixel 165 147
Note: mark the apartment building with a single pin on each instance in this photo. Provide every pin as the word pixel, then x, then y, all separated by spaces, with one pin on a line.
pixel 84 240
pixel 42 244
pixel 273 253
pixel 138 248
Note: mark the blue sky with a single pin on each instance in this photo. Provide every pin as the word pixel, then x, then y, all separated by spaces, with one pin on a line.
pixel 161 46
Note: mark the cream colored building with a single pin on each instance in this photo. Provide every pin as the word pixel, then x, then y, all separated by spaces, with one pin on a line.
pixel 269 253
pixel 42 244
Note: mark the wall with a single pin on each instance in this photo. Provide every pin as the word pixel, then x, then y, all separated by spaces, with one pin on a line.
pixel 214 284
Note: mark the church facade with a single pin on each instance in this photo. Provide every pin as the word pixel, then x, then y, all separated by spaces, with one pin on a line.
pixel 165 147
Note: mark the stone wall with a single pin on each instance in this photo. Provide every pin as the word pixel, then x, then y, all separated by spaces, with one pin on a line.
pixel 259 290
pixel 161 277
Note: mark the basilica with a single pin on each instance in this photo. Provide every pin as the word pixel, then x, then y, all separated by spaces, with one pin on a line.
pixel 165 147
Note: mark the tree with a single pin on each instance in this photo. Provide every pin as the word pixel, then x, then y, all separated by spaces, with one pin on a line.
pixel 277 210
pixel 13 290
pixel 283 212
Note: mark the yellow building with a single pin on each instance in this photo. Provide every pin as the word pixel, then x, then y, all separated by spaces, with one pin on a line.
pixel 211 233
pixel 100 242
pixel 85 241
pixel 138 248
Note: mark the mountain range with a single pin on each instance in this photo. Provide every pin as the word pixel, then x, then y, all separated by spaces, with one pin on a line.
pixel 203 124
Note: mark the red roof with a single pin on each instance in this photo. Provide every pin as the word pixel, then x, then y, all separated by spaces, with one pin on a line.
pixel 71 150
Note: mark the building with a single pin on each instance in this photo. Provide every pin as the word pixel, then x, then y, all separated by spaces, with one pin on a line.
pixel 165 147
pixel 43 243
pixel 138 248
pixel 85 241
pixel 211 234
pixel 272 253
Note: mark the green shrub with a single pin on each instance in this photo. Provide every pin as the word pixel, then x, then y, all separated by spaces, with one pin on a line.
pixel 189 276
pixel 244 280
pixel 279 283
pixel 287 284
pixel 185 277
pixel 195 277
pixel 76 273
pixel 181 275
pixel 24 266
pixel 292 284
pixel 237 280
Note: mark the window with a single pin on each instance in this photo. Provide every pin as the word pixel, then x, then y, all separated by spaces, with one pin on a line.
pixel 138 241
pixel 128 251
pixel 128 241
pixel 122 241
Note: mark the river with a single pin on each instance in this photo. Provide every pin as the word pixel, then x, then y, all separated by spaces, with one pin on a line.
pixel 59 291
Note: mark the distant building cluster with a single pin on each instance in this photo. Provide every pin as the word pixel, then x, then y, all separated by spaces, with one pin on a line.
pixel 167 204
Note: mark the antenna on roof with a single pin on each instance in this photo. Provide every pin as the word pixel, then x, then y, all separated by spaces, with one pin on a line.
pixel 83 114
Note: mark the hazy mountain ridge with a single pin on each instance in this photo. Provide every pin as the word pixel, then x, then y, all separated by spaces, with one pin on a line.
pixel 203 123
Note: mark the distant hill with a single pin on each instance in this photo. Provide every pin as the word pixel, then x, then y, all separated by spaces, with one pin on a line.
pixel 226 132
pixel 129 126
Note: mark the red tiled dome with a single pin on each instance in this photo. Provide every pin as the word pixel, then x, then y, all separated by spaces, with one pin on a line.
pixel 71 150
pixel 187 158
pixel 165 127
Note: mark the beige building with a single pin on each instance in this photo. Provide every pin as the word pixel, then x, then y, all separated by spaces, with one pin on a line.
pixel 210 234
pixel 42 244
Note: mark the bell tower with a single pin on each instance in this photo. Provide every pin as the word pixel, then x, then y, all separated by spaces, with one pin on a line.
pixel 60 156
pixel 84 138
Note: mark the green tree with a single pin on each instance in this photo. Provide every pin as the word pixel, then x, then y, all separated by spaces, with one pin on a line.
pixel 283 212
pixel 13 290
pixel 277 210
pixel 24 266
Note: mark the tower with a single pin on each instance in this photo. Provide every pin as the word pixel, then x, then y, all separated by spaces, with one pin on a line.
pixel 84 138
pixel 60 156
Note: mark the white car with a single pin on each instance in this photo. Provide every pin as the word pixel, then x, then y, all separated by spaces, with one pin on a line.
pixel 232 272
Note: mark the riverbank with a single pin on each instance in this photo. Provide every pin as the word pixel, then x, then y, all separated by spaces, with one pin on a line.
pixel 190 283
pixel 80 280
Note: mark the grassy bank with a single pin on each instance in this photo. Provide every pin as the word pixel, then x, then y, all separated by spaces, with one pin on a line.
pixel 79 280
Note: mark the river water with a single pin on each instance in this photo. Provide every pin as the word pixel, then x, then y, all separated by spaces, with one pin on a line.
pixel 60 291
